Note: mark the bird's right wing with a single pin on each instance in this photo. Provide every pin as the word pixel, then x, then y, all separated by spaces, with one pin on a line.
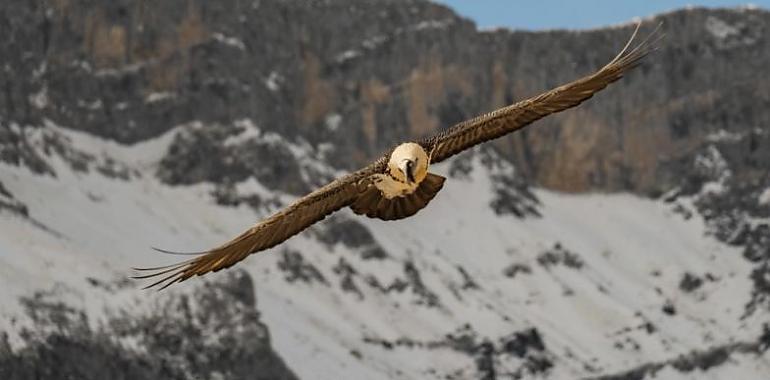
pixel 508 119
pixel 269 232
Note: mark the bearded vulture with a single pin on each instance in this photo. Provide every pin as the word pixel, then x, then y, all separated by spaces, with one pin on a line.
pixel 398 184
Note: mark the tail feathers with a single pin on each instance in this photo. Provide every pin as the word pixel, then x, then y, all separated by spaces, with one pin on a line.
pixel 374 204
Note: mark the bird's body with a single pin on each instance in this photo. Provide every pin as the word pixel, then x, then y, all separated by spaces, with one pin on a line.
pixel 399 184
pixel 407 167
pixel 403 188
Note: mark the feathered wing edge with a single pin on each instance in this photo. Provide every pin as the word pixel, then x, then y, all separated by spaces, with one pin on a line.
pixel 265 234
pixel 374 204
pixel 516 116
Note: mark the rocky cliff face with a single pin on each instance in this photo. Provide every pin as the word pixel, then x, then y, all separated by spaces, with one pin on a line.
pixel 362 75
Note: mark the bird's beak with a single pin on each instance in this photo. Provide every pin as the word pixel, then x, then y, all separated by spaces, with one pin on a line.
pixel 407 167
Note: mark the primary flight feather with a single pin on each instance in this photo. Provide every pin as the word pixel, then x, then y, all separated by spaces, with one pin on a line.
pixel 398 184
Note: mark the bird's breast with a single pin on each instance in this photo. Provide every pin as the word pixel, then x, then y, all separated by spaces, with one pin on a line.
pixel 391 187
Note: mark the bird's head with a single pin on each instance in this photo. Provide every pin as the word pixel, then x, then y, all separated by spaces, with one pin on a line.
pixel 408 163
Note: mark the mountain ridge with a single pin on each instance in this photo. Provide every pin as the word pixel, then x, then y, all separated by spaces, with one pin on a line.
pixel 182 133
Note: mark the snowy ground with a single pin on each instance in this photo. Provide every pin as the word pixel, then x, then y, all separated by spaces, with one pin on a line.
pixel 617 305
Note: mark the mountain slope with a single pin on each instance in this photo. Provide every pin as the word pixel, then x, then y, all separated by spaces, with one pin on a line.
pixel 464 289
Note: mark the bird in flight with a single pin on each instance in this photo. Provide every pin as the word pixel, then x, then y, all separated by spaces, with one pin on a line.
pixel 398 184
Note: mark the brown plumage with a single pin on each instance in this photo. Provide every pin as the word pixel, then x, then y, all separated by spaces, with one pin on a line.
pixel 359 190
pixel 373 205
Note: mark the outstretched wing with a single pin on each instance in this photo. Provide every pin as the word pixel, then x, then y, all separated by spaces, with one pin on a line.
pixel 269 232
pixel 511 118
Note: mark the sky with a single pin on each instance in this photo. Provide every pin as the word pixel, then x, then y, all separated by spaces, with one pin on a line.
pixel 572 14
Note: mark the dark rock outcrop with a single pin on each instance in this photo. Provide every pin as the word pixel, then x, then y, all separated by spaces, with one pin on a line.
pixel 9 203
pixel 297 268
pixel 696 360
pixel 352 234
pixel 559 256
pixel 522 353
pixel 215 332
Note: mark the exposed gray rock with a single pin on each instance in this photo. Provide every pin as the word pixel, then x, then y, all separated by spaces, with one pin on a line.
pixel 511 191
pixel 514 269
pixel 468 281
pixel 668 308
pixel 9 203
pixel 690 282
pixel 215 332
pixel 15 149
pixel 411 280
pixel 701 360
pixel 725 177
pixel 424 295
pixel 201 154
pixel 559 256
pixel 347 275
pixel 521 342
pixel 298 269
pixel 526 346
pixel 340 229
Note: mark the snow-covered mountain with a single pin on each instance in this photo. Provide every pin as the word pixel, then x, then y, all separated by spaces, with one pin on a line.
pixel 492 278
pixel 175 135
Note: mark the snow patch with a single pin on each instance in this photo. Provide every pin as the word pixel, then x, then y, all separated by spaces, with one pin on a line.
pixel 376 41
pixel 273 81
pixel 116 72
pixel 324 149
pixel 40 99
pixel 764 198
pixel 713 188
pixel 229 41
pixel 250 131
pixel 373 42
pixel 142 156
pixel 347 55
pixel 713 164
pixel 155 97
pixel 719 28
pixel 251 186
pixel 433 24
pixel 333 121
pixel 40 70
pixel 724 136
pixel 93 105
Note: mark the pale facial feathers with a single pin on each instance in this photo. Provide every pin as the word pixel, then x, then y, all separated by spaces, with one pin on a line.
pixel 400 159
pixel 407 167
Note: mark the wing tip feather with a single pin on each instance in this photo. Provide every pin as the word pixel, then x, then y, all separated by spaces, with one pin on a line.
pixel 627 60
pixel 161 250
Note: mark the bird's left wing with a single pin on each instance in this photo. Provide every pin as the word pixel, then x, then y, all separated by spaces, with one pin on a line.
pixel 511 118
pixel 269 232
